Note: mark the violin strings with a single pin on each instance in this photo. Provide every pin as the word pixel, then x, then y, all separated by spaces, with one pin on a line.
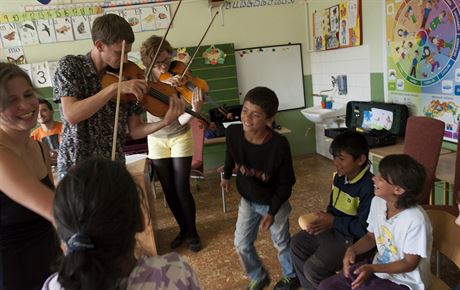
pixel 165 99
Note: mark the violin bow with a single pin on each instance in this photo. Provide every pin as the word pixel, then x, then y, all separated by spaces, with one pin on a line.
pixel 198 46
pixel 117 108
pixel 149 71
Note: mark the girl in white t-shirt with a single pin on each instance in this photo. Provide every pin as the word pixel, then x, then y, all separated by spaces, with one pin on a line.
pixel 398 228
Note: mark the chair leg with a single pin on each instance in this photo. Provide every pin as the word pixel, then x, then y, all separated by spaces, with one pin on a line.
pixel 224 204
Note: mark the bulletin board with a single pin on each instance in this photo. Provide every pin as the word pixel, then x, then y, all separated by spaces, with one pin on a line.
pixel 276 67
pixel 423 67
pixel 338 26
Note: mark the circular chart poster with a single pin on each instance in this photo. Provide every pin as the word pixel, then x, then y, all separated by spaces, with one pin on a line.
pixel 423 41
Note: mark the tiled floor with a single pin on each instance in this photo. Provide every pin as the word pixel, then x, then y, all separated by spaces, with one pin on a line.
pixel 217 264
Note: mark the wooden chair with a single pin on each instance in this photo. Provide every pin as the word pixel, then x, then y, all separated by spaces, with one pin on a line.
pixel 446 240
pixel 422 141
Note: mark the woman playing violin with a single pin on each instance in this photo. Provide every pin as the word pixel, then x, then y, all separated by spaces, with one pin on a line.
pixel 86 108
pixel 171 148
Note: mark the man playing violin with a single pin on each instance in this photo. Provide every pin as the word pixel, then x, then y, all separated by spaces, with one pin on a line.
pixel 171 148
pixel 88 109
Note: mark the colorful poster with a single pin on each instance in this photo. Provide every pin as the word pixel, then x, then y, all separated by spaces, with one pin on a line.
pixel 423 41
pixel 320 28
pixel 350 23
pixel 332 40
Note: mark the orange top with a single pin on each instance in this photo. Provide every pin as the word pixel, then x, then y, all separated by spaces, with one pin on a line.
pixel 38 134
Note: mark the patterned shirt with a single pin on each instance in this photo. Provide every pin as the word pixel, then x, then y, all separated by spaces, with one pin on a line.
pixel 76 77
pixel 167 272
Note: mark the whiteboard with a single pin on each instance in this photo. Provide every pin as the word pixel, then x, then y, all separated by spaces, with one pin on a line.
pixel 276 67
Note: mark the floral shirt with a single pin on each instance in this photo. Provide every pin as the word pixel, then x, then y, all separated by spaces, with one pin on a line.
pixel 167 272
pixel 76 77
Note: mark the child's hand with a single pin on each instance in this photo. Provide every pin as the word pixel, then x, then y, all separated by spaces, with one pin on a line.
pixel 266 222
pixel 363 272
pixel 348 260
pixel 225 184
pixel 322 223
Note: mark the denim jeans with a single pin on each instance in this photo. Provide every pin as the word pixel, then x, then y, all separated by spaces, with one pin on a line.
pixel 247 227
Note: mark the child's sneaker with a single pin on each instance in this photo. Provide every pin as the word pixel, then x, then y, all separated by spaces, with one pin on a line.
pixel 287 283
pixel 259 284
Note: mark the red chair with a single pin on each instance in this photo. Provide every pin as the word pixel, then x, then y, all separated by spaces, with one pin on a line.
pixel 422 141
pixel 197 171
pixel 453 209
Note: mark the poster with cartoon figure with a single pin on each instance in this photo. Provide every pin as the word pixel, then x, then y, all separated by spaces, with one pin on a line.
pixel 320 26
pixel 423 42
pixel 350 23
pixel 332 37
pixel 338 26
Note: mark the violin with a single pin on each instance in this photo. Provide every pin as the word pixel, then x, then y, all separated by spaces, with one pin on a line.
pixel 156 101
pixel 188 81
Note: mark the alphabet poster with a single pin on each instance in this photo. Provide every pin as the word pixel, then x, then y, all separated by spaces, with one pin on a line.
pixel 423 41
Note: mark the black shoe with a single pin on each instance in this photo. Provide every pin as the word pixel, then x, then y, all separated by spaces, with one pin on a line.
pixel 259 284
pixel 195 244
pixel 179 240
pixel 287 283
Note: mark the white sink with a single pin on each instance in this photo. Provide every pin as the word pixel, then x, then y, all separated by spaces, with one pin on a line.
pixel 317 114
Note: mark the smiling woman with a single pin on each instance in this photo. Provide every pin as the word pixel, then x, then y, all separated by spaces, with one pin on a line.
pixel 27 237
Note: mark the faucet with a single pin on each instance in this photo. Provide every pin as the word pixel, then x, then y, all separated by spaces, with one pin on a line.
pixel 333 81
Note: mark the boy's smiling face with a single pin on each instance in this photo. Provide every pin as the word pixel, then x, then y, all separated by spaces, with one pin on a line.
pixel 347 165
pixel 254 119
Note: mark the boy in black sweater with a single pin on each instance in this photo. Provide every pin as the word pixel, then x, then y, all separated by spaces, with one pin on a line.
pixel 317 252
pixel 265 176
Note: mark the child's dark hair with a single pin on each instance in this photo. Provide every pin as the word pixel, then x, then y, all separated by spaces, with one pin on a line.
pixel 264 98
pixel 48 104
pixel 351 142
pixel 405 172
pixel 98 212
pixel 111 28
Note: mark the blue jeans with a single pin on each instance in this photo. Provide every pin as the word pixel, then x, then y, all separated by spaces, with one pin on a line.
pixel 247 227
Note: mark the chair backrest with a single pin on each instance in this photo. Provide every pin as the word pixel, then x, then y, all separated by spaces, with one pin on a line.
pixel 457 173
pixel 422 141
pixel 198 144
pixel 446 234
